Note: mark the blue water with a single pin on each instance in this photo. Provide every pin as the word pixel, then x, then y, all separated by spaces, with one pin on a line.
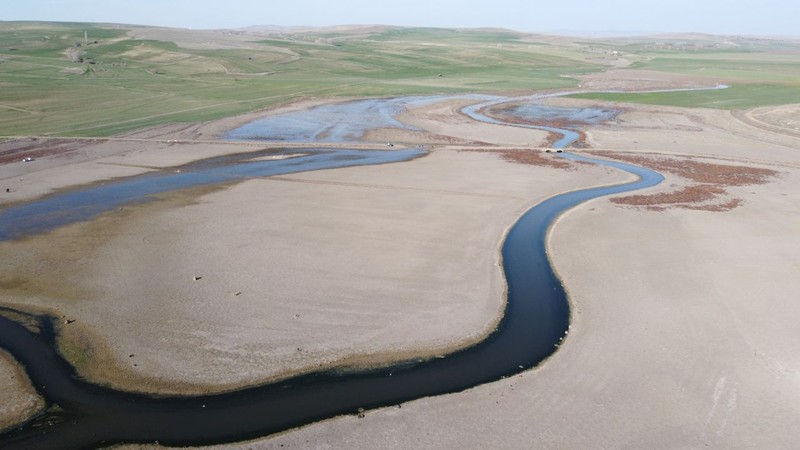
pixel 83 204
pixel 341 122
pixel 337 122
pixel 473 111
pixel 350 121
pixel 535 321
pixel 537 112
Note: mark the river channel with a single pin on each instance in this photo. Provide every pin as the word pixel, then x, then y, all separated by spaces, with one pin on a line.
pixel 535 322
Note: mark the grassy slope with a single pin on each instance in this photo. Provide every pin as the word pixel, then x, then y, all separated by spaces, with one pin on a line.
pixel 136 83
pixel 738 96
pixel 760 72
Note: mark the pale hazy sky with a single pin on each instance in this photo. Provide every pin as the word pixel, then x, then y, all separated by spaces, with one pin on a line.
pixel 765 17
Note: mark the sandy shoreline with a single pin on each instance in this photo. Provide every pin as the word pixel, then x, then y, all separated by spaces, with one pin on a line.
pixel 346 267
pixel 20 400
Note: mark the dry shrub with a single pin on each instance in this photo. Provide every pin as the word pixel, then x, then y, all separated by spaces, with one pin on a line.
pixel 698 171
pixel 530 157
pixel 707 194
pixel 697 193
pixel 17 149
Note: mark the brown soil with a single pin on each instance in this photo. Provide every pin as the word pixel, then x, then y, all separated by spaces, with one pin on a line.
pixel 708 192
pixel 688 197
pixel 551 137
pixel 529 157
pixel 501 115
pixel 778 119
pixel 414 137
pixel 18 149
pixel 624 79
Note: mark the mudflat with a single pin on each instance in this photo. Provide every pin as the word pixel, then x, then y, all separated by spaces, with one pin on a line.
pixel 20 399
pixel 682 331
pixel 683 323
pixel 288 274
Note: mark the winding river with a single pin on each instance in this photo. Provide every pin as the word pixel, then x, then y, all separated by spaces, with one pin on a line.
pixel 88 415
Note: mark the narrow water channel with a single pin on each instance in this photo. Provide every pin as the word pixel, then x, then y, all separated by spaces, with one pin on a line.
pixel 535 321
pixel 77 205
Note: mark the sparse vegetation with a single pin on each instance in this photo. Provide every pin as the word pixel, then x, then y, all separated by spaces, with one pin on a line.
pixel 707 182
pixel 530 157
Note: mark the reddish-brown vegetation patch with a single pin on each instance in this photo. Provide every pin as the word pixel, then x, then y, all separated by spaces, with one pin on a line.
pixel 530 157
pixel 707 194
pixel 687 197
pixel 581 141
pixel 18 149
pixel 505 114
pixel 717 207
pixel 698 171
pixel 508 118
pixel 552 137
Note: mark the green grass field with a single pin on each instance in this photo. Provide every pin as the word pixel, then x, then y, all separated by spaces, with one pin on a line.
pixel 54 83
pixel 761 72
pixel 133 83
pixel 738 96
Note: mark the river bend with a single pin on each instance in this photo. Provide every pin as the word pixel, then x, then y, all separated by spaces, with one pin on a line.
pixel 535 322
